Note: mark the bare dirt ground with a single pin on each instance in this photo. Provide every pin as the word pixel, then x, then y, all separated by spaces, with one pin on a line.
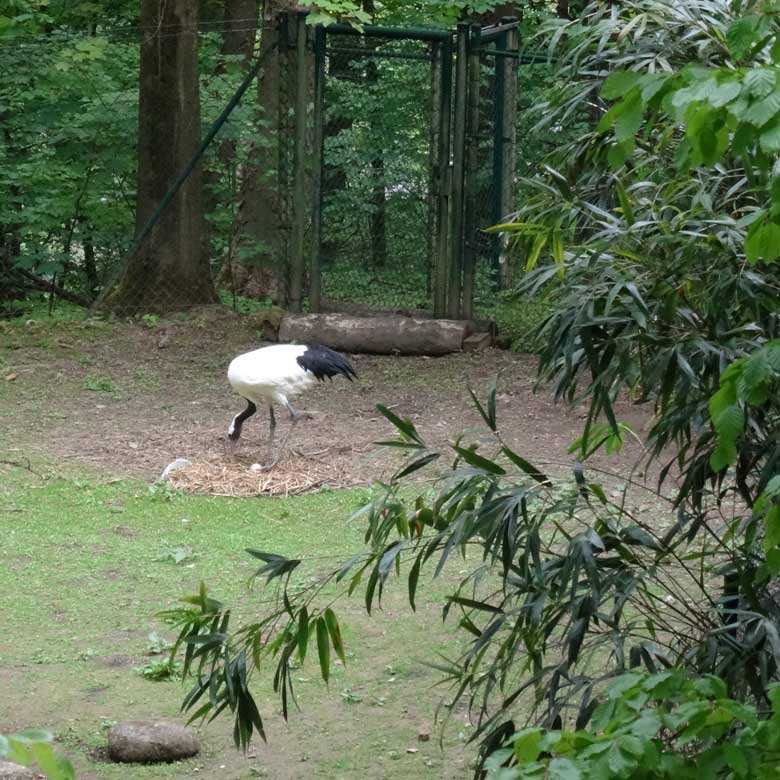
pixel 107 395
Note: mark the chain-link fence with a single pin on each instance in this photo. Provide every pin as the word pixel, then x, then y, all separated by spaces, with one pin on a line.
pixel 377 159
pixel 358 174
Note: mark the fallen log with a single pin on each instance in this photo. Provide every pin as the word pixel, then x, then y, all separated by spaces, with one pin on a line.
pixel 388 335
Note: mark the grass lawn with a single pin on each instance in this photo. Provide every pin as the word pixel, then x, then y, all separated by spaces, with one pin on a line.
pixel 87 565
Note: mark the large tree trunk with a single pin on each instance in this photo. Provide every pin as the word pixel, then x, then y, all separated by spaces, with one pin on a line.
pixel 170 270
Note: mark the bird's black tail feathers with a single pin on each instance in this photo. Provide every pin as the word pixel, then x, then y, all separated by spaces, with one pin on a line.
pixel 324 362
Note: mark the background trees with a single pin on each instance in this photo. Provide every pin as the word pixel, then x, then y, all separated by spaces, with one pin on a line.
pixel 69 192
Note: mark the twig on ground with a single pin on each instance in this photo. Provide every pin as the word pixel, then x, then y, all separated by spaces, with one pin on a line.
pixel 26 467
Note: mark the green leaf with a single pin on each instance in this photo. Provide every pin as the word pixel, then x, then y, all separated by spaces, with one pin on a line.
pixel 54 767
pixel 536 250
pixel 323 648
pixel 632 745
pixel 762 242
pixel 730 423
pixel 735 758
pixel 626 117
pixel 724 455
pixel 724 93
pixel 770 139
pixel 335 634
pixel 625 203
pixel 557 252
pixel 488 414
pixel 416 465
pixel 742 36
pixel 405 426
pixel 773 560
pixel 563 769
pixel 527 744
pixel 414 576
pixel 531 470
pixel 621 762
pixel 618 84
pixel 478 461
pixel 482 606
pixel 303 633
pixel 617 154
pixel 772 521
pixel 760 81
pixel 761 111
pixel 388 558
pixel 17 752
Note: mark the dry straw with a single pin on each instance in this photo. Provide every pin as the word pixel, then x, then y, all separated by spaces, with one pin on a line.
pixel 294 474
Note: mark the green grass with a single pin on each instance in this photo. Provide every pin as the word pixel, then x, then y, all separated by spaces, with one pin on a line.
pixel 88 565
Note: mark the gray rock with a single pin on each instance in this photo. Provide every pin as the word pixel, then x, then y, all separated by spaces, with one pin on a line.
pixel 148 741
pixel 9 771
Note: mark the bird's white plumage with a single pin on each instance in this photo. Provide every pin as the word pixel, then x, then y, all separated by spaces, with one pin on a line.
pixel 270 375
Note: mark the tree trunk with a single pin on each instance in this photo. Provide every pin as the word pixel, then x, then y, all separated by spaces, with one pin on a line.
pixel 170 270
pixel 90 266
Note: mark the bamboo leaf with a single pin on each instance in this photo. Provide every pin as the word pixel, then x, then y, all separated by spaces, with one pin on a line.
pixel 335 634
pixel 303 633
pixel 323 648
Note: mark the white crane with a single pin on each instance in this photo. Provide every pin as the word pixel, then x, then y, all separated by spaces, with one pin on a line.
pixel 273 375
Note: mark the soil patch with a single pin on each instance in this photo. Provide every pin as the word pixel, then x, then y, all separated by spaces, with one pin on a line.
pixel 111 398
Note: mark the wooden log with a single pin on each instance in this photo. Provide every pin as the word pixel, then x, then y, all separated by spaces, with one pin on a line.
pixel 376 335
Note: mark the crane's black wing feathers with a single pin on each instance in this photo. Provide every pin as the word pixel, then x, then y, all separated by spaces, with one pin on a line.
pixel 324 362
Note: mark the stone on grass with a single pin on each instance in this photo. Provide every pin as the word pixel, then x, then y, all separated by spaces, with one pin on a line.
pixel 150 741
pixel 10 771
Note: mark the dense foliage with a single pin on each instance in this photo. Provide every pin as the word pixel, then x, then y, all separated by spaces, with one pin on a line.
pixel 662 232
pixel 68 162
pixel 650 727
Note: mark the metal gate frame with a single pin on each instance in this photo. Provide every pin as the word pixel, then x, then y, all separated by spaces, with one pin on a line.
pixel 454 134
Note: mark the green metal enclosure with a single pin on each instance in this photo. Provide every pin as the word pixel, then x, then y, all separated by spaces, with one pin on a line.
pixel 402 153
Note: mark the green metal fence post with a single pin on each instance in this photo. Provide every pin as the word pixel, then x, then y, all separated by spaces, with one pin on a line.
pixel 298 260
pixel 315 289
pixel 433 166
pixel 455 276
pixel 509 146
pixel 499 172
pixel 470 175
pixel 283 138
pixel 444 243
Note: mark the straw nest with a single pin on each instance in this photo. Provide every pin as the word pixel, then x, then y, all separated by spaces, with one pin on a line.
pixel 294 474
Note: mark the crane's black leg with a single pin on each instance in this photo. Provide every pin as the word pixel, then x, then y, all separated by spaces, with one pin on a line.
pixel 234 431
pixel 272 424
